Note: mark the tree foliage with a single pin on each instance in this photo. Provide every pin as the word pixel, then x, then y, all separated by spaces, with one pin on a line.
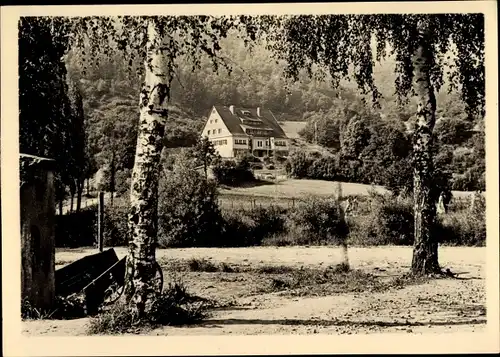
pixel 51 118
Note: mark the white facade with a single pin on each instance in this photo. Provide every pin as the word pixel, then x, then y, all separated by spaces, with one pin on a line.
pixel 218 133
pixel 230 145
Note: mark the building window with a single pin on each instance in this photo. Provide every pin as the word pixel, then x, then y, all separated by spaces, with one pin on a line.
pixel 220 130
pixel 219 142
pixel 208 132
pixel 240 141
pixel 259 143
pixel 216 120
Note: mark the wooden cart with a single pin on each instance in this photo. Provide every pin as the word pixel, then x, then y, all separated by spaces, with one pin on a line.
pixel 101 277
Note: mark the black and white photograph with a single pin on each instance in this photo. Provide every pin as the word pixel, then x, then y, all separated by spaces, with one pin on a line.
pixel 251 170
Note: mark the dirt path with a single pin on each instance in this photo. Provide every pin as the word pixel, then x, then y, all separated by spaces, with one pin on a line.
pixel 444 305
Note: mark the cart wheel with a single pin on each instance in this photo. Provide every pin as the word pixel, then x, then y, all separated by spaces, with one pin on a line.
pixel 113 293
pixel 158 279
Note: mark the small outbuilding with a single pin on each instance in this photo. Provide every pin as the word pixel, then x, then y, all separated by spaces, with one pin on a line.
pixel 37 230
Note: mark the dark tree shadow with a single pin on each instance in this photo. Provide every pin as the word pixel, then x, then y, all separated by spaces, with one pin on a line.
pixel 326 323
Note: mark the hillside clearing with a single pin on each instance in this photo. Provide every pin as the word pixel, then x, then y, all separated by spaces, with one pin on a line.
pixel 295 188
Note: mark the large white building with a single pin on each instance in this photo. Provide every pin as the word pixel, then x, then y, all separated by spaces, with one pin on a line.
pixel 235 131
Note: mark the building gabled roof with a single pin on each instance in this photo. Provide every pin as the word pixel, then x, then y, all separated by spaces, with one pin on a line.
pixel 235 124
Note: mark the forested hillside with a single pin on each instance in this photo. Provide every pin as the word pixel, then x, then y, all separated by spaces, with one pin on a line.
pixel 336 118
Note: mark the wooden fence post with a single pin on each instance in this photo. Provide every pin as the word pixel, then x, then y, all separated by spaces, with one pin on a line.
pixel 100 222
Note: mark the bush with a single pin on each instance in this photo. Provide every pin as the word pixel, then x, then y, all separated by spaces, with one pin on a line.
pixel 297 165
pixel 231 173
pixel 69 307
pixel 205 265
pixel 174 306
pixel 201 265
pixel 243 228
pixel 76 229
pixel 473 179
pixel 236 229
pixel 116 231
pixel 390 221
pixel 325 168
pixel 189 215
pixel 317 221
pixel 266 221
pixel 462 228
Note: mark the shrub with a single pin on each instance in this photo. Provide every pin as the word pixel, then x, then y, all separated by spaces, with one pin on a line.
pixel 390 221
pixel 116 225
pixel 174 306
pixel 466 226
pixel 205 265
pixel 265 221
pixel 235 229
pixel 69 307
pixel 243 228
pixel 473 179
pixel 231 173
pixel 76 229
pixel 316 221
pixel 398 177
pixel 201 265
pixel 462 228
pixel 297 165
pixel 189 215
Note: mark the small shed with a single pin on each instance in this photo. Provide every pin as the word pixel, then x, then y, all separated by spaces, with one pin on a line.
pixel 37 230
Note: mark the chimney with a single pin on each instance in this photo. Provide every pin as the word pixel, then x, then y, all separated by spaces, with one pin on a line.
pixel 258 111
pixel 231 108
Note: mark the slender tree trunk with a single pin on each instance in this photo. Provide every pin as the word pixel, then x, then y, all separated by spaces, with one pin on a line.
pixel 425 249
pixel 144 183
pixel 60 207
pixel 71 201
pixel 79 194
pixel 88 186
pixel 112 178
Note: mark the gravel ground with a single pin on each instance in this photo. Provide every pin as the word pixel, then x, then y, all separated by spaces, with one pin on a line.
pixel 436 306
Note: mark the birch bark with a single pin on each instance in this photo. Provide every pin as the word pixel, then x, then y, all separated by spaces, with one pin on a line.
pixel 144 186
pixel 425 250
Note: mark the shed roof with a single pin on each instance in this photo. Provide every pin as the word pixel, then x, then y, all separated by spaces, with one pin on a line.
pixel 28 165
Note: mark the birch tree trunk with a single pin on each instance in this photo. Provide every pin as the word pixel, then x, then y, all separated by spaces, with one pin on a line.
pixel 425 249
pixel 144 184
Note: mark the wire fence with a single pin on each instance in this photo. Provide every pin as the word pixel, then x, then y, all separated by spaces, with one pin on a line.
pixel 249 203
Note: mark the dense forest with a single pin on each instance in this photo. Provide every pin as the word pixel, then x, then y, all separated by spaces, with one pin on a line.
pixel 377 134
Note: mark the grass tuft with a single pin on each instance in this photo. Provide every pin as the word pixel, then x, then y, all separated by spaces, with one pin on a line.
pixel 173 307
pixel 204 265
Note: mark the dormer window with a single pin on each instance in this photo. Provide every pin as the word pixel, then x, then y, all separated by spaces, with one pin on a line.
pixel 245 112
pixel 220 130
